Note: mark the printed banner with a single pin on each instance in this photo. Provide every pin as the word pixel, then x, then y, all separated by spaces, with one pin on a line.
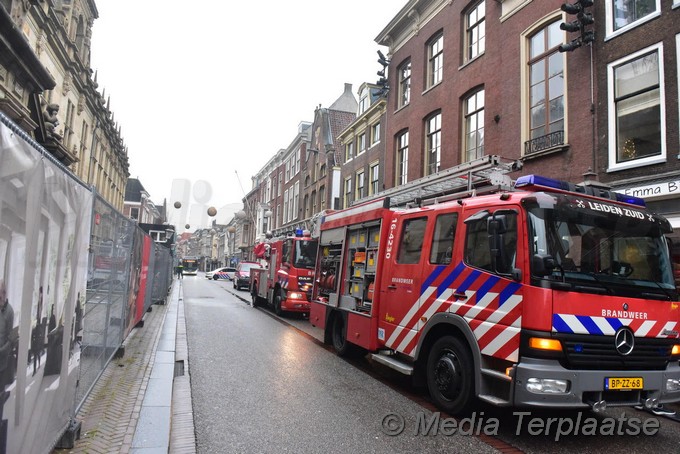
pixel 45 218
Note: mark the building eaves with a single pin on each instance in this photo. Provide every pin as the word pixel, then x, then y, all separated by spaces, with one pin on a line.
pixel 408 22
pixel 13 43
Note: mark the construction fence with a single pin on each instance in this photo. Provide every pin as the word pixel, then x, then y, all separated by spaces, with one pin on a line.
pixel 76 277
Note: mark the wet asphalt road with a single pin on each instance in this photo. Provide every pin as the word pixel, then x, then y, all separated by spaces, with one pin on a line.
pixel 260 385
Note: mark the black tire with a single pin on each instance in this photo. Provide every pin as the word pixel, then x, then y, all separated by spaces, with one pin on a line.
pixel 215 277
pixel 450 380
pixel 278 297
pixel 339 336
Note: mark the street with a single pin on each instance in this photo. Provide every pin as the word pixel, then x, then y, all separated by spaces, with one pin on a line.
pixel 266 384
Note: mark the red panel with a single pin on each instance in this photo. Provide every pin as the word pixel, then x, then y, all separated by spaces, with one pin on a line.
pixel 139 304
pixel 317 314
pixel 359 330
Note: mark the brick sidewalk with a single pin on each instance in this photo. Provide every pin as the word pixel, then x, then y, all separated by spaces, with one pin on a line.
pixel 110 413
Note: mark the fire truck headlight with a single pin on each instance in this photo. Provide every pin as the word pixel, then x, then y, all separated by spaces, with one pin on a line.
pixel 672 385
pixel 547 386
pixel 676 350
pixel 295 296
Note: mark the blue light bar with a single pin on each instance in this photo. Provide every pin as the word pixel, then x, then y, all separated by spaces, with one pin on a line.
pixel 298 232
pixel 537 180
pixel 531 180
pixel 630 199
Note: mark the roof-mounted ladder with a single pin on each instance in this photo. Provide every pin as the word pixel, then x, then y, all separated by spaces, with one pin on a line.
pixel 463 177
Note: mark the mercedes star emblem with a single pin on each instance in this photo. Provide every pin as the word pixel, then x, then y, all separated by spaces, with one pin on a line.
pixel 624 341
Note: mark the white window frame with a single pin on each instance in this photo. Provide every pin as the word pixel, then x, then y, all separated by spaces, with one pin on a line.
pixel 433 143
pixel 363 100
pixel 613 166
pixel 479 25
pixel 435 60
pixel 402 159
pixel 296 200
pixel 375 133
pixel 360 184
pixel 159 236
pixel 609 13
pixel 285 206
pixel 404 75
pixel 349 151
pixel 291 204
pixel 374 184
pixel 526 56
pixel 361 143
pixel 347 192
pixel 478 114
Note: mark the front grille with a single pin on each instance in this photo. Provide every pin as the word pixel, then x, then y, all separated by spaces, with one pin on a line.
pixel 599 353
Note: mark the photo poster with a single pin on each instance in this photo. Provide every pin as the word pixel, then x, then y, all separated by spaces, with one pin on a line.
pixel 139 266
pixel 45 218
pixel 142 296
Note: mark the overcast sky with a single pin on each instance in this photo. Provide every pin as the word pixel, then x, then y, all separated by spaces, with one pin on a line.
pixel 207 90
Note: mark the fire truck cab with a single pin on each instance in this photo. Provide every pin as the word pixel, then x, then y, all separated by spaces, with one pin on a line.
pixel 285 281
pixel 544 294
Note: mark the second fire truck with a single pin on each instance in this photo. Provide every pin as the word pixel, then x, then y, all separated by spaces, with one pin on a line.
pixel 285 280
pixel 544 294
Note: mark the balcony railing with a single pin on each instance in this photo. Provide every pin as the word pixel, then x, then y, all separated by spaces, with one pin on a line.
pixel 552 140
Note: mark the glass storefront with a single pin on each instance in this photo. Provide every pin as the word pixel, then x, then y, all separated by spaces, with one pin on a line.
pixel 669 209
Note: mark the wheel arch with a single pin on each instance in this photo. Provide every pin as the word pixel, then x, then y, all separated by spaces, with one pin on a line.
pixel 446 324
pixel 275 291
pixel 331 314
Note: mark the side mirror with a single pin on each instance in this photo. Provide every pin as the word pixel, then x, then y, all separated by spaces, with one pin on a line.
pixel 542 265
pixel 496 226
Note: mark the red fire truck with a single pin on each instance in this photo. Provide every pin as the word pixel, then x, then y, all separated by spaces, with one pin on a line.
pixel 542 293
pixel 285 282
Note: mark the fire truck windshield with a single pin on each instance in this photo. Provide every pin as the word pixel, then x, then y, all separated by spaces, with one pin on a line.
pixel 600 247
pixel 305 253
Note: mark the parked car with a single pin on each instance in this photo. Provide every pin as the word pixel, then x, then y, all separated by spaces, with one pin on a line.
pixel 226 272
pixel 242 275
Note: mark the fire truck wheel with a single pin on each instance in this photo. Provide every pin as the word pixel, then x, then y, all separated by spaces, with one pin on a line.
pixel 339 336
pixel 278 297
pixel 449 375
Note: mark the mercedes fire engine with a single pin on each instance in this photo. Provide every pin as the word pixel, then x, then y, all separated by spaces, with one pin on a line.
pixel 539 293
pixel 285 280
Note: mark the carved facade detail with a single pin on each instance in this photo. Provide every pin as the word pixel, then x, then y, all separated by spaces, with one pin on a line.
pixel 66 85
